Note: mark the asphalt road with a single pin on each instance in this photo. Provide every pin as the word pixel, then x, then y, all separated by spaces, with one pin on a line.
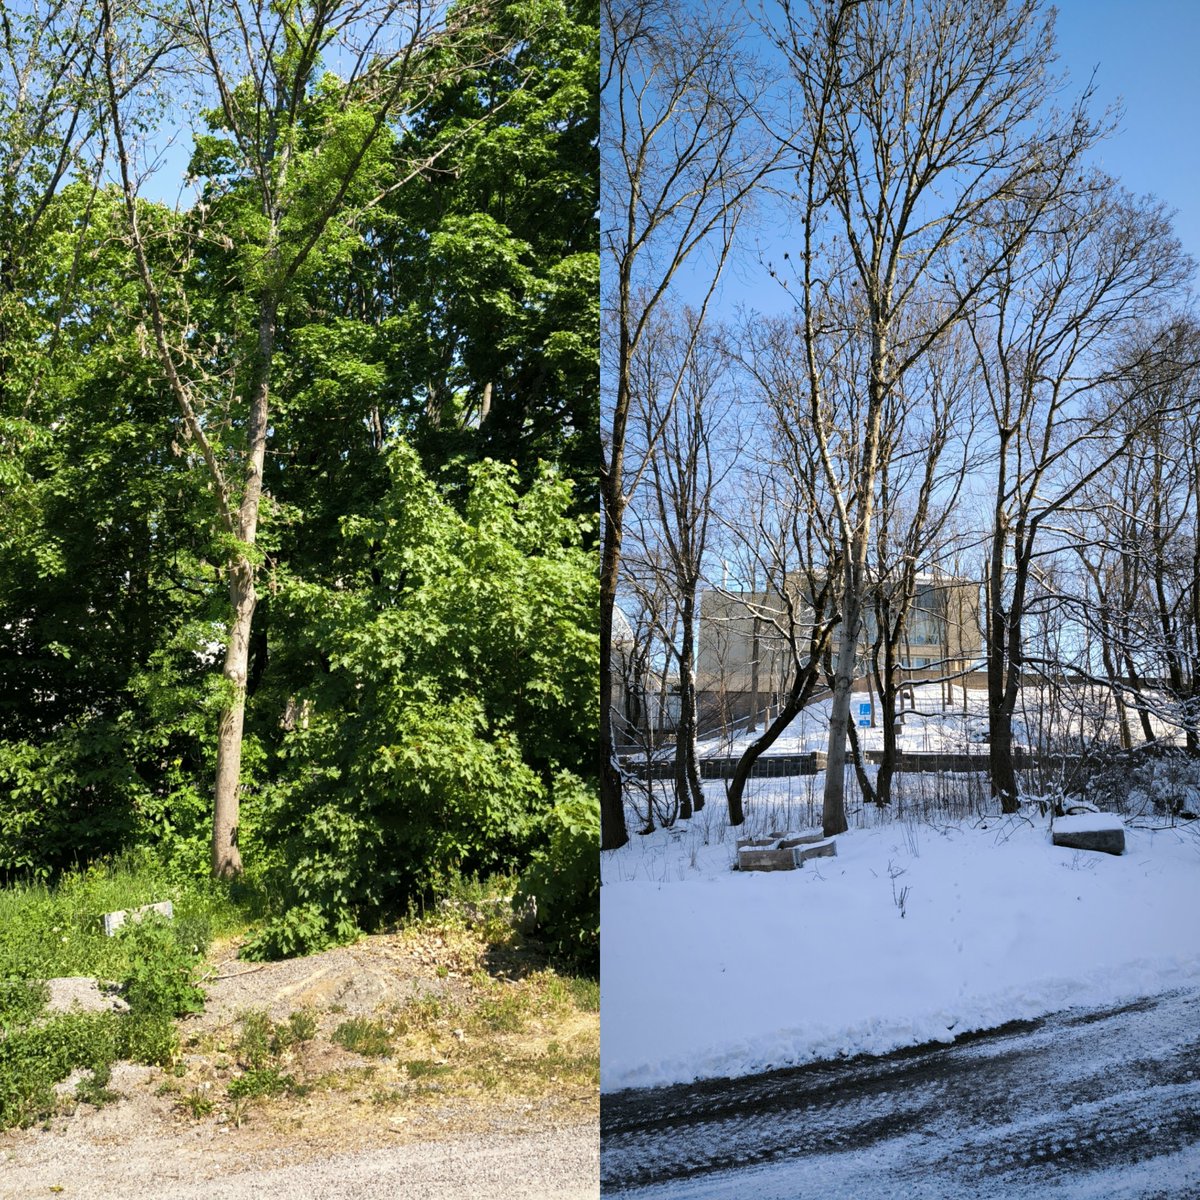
pixel 1103 1104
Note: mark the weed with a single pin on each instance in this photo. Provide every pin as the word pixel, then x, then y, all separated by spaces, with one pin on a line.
pixel 505 1011
pixel 197 1104
pixel 585 993
pixel 262 1081
pixel 254 1046
pixel 423 1012
pixel 301 1027
pixel 364 1036
pixel 149 1038
pixel 20 1001
pixel 424 1068
pixel 93 1088
pixel 900 898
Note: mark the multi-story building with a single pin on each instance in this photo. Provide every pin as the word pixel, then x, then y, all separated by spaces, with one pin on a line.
pixel 743 660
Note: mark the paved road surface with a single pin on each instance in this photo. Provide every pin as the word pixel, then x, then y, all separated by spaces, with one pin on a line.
pixel 1083 1104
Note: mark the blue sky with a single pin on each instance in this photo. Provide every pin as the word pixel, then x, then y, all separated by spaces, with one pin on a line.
pixel 1146 55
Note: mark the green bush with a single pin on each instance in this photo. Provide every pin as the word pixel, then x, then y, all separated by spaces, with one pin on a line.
pixel 149 1038
pixel 563 880
pixel 20 1001
pixel 460 675
pixel 160 978
pixel 303 929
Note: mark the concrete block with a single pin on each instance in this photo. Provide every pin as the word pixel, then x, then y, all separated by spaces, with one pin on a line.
pixel 752 858
pixel 756 841
pixel 801 839
pixel 114 920
pixel 822 849
pixel 1104 832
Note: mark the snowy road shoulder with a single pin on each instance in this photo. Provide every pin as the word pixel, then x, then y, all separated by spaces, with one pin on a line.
pixel 912 934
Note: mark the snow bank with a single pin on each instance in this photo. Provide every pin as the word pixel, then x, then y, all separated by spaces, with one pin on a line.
pixel 914 933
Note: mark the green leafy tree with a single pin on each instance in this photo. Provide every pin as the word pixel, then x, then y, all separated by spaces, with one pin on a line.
pixel 454 679
pixel 293 156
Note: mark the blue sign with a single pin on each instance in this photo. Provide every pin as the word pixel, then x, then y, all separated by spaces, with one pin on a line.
pixel 864 714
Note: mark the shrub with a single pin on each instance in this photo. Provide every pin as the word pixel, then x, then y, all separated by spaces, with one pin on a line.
pixel 563 882
pixel 261 1081
pixel 461 674
pixel 20 1001
pixel 34 1059
pixel 303 929
pixel 149 1038
pixel 160 978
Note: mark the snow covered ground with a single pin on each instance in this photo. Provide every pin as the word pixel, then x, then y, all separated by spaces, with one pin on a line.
pixel 917 931
pixel 938 722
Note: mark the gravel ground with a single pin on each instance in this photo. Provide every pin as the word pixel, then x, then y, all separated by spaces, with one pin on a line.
pixel 87 1160
pixel 329 1146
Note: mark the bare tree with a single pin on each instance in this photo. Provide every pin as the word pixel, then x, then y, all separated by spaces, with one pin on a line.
pixel 1134 533
pixel 681 398
pixel 918 118
pixel 680 159
pixel 782 545
pixel 925 443
pixel 309 161
pixel 1049 345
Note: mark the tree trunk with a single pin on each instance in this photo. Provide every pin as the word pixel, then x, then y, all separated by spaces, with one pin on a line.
pixel 1000 760
pixel 687 772
pixel 613 833
pixel 798 697
pixel 887 764
pixel 226 858
pixel 833 818
pixel 1135 682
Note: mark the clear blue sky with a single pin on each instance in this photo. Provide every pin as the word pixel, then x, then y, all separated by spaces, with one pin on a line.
pixel 1147 53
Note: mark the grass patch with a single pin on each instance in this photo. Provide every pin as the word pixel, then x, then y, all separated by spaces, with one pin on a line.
pixel 48 931
pixel 424 1068
pixel 264 1081
pixel 55 930
pixel 372 1039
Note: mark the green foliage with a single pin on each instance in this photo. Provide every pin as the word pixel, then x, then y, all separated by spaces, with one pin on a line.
pixel 461 674
pixel 56 931
pixel 197 1104
pixel 93 1088
pixel 160 978
pixel 261 1081
pixel 33 1059
pixel 301 1027
pixel 254 1043
pixel 20 1001
pixel 302 929
pixel 436 622
pixel 48 931
pixel 501 253
pixel 563 880
pixel 258 1048
pixel 149 1038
